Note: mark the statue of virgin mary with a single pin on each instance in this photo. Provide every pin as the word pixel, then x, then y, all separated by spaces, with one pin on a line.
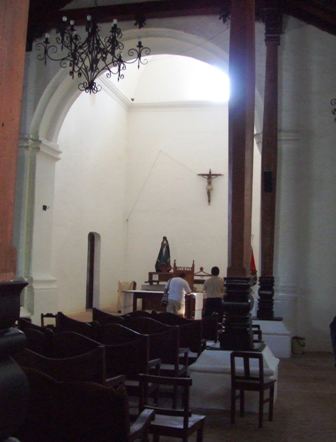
pixel 163 260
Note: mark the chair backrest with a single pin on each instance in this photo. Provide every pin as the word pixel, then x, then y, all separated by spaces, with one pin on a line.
pixel 105 318
pixel 74 411
pixel 245 372
pixel 176 382
pixel 188 271
pixel 65 323
pixel 51 319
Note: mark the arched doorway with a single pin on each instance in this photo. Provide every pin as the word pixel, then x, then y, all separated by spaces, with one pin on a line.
pixel 92 273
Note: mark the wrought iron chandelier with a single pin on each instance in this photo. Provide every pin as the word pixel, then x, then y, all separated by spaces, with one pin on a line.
pixel 88 58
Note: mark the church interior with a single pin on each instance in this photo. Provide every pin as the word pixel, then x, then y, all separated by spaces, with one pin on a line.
pixel 221 140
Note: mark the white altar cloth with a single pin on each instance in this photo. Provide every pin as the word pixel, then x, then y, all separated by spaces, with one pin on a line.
pixel 211 380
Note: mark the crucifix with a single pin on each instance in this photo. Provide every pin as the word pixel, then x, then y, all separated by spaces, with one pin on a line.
pixel 209 176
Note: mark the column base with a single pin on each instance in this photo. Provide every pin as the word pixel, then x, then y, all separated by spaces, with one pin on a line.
pixel 266 299
pixel 237 334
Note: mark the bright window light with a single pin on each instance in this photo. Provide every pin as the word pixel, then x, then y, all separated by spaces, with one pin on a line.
pixel 169 78
pixel 208 83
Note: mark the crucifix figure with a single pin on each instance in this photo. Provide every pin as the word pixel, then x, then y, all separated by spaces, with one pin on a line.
pixel 209 176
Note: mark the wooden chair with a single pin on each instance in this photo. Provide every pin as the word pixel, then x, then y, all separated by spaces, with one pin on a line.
pixel 247 378
pixel 79 411
pixel 179 423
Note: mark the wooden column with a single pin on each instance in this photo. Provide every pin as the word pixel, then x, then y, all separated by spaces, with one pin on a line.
pixel 237 334
pixel 272 17
pixel 13 383
pixel 13 27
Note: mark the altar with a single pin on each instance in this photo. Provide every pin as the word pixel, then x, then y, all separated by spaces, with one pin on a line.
pixel 150 295
pixel 211 380
pixel 134 300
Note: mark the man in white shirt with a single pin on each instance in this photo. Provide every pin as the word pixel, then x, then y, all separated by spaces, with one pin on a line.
pixel 177 288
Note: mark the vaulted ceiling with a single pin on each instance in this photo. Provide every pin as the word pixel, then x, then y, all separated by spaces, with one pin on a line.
pixel 46 14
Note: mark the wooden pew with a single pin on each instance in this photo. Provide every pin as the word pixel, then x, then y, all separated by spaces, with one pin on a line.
pixel 191 331
pixel 38 338
pixel 71 357
pixel 79 411
pixel 164 344
pixel 65 323
pixel 128 353
pixel 105 318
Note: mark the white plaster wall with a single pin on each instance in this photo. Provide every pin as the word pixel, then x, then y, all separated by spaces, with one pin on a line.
pixel 307 234
pixel 89 195
pixel 167 148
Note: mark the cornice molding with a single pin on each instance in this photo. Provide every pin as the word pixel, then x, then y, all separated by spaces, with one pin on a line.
pixel 50 149
pixel 29 144
pixel 288 136
pixel 176 104
pixel 114 92
pixel 44 282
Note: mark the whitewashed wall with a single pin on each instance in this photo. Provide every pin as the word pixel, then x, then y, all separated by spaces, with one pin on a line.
pixel 306 238
pixel 89 196
pixel 167 147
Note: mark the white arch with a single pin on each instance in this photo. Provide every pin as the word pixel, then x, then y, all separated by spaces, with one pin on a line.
pixel 62 91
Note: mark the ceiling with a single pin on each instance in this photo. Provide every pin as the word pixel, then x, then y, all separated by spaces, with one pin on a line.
pixel 45 14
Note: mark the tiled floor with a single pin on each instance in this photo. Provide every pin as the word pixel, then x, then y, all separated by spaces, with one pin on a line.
pixel 304 411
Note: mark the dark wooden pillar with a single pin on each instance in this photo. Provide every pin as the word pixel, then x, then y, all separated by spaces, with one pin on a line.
pixel 13 27
pixel 237 334
pixel 272 17
pixel 13 384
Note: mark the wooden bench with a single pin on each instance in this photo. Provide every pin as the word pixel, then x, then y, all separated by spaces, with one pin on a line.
pixel 79 411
